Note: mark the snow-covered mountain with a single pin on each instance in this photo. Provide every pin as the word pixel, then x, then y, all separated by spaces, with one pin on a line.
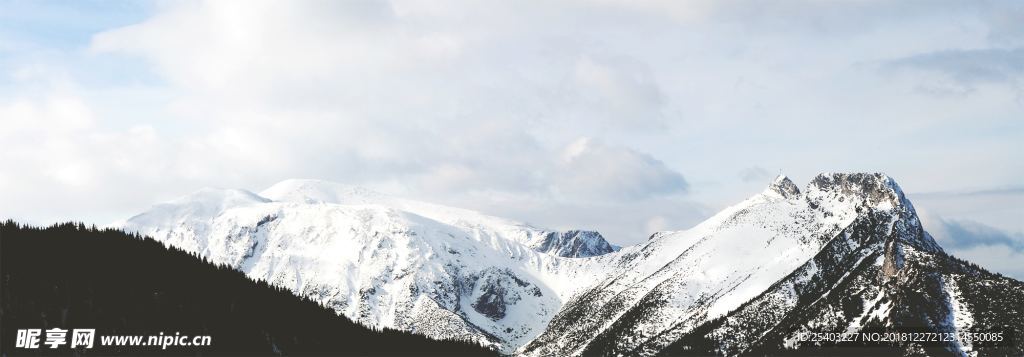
pixel 386 261
pixel 847 254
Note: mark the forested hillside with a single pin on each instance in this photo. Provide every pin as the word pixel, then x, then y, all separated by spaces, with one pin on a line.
pixel 73 276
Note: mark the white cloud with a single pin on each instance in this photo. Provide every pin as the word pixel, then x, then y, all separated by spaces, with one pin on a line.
pixel 960 234
pixel 474 103
pixel 657 224
pixel 590 168
pixel 624 91
pixel 961 71
pixel 62 165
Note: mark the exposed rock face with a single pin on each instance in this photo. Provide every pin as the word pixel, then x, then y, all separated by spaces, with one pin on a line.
pixel 574 244
pixel 877 197
pixel 784 187
pixel 496 289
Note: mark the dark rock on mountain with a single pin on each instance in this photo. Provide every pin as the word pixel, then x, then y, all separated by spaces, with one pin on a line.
pixel 574 244
pixel 783 186
pixel 495 292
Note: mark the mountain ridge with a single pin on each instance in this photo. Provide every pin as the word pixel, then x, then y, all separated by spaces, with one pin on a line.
pixel 448 272
pixel 384 261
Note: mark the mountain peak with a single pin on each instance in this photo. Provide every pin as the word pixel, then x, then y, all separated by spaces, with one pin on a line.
pixel 784 187
pixel 875 188
pixel 876 194
pixel 573 244
pixel 206 202
pixel 210 200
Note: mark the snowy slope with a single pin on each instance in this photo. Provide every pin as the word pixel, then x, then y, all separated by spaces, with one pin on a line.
pixel 849 255
pixel 684 278
pixel 385 261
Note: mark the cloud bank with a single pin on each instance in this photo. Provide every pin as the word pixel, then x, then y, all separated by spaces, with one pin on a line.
pixel 992 248
pixel 621 116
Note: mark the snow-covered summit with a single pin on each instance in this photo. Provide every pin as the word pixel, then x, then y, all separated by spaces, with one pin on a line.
pixel 205 202
pixel 876 195
pixel 783 187
pixel 873 188
pixel 565 244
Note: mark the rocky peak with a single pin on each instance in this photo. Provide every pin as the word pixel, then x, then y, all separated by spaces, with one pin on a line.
pixel 870 188
pixel 884 211
pixel 784 187
pixel 573 244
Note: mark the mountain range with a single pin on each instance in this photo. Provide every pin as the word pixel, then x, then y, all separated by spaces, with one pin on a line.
pixel 845 254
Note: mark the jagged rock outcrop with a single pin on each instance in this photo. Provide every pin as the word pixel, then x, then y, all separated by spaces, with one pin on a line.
pixel 573 244
pixel 784 187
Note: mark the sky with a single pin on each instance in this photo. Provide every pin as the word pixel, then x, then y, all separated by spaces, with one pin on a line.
pixel 627 117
